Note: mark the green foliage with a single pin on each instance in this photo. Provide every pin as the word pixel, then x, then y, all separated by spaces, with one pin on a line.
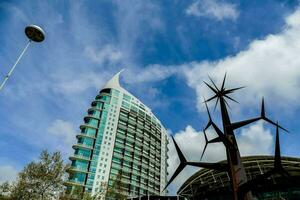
pixel 116 191
pixel 5 191
pixel 79 194
pixel 41 180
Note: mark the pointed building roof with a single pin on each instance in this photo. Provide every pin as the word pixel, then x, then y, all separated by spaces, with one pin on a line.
pixel 114 83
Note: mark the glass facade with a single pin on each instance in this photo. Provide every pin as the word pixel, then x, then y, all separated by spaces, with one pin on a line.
pixel 136 154
pixel 120 137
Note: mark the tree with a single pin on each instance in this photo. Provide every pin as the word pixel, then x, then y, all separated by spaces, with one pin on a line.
pixel 5 191
pixel 41 180
pixel 116 191
pixel 78 193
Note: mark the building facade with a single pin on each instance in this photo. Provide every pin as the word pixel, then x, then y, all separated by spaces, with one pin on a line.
pixel 120 137
pixel 215 185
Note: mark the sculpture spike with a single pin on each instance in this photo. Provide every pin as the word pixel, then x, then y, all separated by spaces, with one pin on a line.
pixel 227 104
pixel 271 122
pixel 234 89
pixel 213 83
pixel 222 88
pixel 206 142
pixel 277 159
pixel 178 170
pixel 211 98
pixel 207 110
pixel 209 116
pixel 218 131
pixel 216 104
pixel 240 124
pixel 263 113
pixel 214 90
pixel 181 166
pixel 180 154
pixel 278 168
pixel 231 98
pixel 215 140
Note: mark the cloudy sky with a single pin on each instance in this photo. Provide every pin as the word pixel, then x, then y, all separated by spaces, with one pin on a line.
pixel 167 48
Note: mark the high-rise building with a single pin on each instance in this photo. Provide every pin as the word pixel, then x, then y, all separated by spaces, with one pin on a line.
pixel 120 137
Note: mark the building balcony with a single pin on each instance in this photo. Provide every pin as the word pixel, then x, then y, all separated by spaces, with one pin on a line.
pixel 128 148
pixel 121 126
pixel 79 157
pixel 77 169
pixel 128 159
pixel 80 135
pixel 73 183
pixel 123 118
pixel 117 144
pixel 94 108
pixel 91 116
pixel 121 136
pixel 88 126
pixel 97 100
pixel 83 146
pixel 117 155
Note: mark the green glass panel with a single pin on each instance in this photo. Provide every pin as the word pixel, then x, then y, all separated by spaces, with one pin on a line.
pixel 83 152
pixel 115 92
pixel 125 105
pixel 86 141
pixel 126 97
pixel 115 100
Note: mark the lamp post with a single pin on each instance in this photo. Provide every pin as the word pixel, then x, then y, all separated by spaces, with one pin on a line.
pixel 34 33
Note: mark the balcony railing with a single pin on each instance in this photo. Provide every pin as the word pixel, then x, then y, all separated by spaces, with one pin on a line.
pixel 80 157
pixel 82 146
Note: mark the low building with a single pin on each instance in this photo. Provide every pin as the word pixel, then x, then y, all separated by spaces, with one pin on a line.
pixel 215 185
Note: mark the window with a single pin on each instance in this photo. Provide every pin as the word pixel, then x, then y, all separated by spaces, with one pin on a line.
pixel 125 105
pixel 115 92
pixel 105 98
pixel 115 100
pixel 89 131
pixel 92 122
pixel 86 141
pixel 126 97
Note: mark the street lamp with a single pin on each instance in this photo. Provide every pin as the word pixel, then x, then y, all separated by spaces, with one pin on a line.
pixel 34 33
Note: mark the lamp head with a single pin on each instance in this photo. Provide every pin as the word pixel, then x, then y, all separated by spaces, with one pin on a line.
pixel 35 33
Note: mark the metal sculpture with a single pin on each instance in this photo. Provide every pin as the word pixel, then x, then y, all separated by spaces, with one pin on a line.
pixel 241 187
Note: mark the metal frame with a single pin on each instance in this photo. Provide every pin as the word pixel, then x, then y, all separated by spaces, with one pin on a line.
pixel 240 185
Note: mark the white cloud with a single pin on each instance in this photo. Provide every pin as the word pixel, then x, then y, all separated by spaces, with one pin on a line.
pixel 7 173
pixel 215 9
pixel 68 86
pixel 252 140
pixel 108 53
pixel 63 132
pixel 150 73
pixel 255 140
pixel 269 67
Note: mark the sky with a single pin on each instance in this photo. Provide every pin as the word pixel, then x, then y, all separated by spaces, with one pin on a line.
pixel 167 48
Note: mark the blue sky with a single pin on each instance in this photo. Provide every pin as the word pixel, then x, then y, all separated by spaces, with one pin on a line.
pixel 167 48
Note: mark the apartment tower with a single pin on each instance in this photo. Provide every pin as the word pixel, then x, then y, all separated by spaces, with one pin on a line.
pixel 120 137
